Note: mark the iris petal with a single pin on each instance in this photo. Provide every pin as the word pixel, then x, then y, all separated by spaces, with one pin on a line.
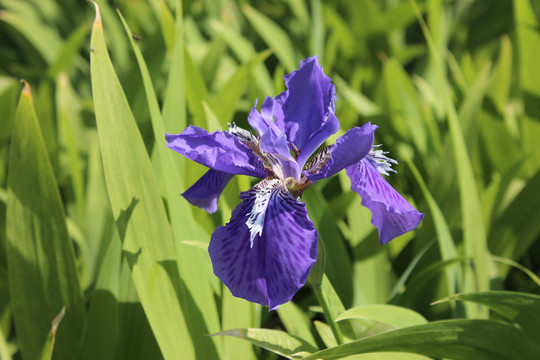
pixel 218 150
pixel 273 139
pixel 392 215
pixel 272 270
pixel 207 190
pixel 302 109
pixel 349 149
pixel 329 128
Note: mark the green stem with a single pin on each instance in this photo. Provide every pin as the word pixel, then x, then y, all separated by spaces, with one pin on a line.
pixel 323 301
pixel 320 287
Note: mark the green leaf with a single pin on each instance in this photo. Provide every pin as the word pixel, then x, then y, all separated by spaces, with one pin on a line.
pixel 388 355
pixel 521 308
pixel 389 314
pixel 69 51
pixel 137 207
pixel 25 18
pixel 225 102
pixel 338 264
pixel 276 38
pixel 196 91
pixel 317 31
pixel 103 325
pixel 447 246
pixel 212 59
pixel 296 321
pixel 528 48
pixel 244 50
pixel 184 227
pixel 499 89
pixel 48 348
pixel 167 26
pixel 5 351
pixel 278 342
pixel 174 107
pixel 361 104
pixel 236 313
pixel 451 339
pixel 70 129
pixel 41 264
pixel 516 229
pixel 325 333
pixel 474 236
pixel 403 106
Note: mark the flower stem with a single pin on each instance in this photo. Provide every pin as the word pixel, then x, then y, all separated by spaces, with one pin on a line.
pixel 322 288
pixel 323 301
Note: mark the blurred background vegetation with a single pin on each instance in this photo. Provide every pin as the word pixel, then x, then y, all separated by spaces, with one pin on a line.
pixel 457 103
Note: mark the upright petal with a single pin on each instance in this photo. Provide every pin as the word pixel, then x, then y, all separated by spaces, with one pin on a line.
pixel 219 150
pixel 207 190
pixel 273 139
pixel 272 270
pixel 392 215
pixel 329 128
pixel 303 108
pixel 349 149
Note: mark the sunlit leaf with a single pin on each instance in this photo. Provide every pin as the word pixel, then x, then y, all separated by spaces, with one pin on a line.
pixel 276 341
pixel 137 207
pixel 452 339
pixel 41 263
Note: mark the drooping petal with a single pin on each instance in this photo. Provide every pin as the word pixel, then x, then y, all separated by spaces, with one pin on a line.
pixel 329 128
pixel 302 109
pixel 272 270
pixel 349 149
pixel 207 190
pixel 392 215
pixel 219 150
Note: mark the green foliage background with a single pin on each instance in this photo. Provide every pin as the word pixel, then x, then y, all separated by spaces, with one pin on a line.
pixel 100 258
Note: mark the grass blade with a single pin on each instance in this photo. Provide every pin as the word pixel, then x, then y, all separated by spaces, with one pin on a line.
pixel 452 339
pixel 474 236
pixel 201 313
pixel 274 36
pixel 41 264
pixel 137 207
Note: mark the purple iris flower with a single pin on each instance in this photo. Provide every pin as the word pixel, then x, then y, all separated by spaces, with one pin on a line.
pixel 266 251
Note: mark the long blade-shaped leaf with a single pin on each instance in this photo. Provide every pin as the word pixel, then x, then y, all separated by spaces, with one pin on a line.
pixel 389 314
pixel 273 35
pixel 522 308
pixel 276 341
pixel 201 313
pixel 137 207
pixel 41 264
pixel 452 339
pixel 474 236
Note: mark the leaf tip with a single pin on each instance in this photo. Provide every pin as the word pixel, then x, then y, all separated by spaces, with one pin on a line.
pixel 26 91
pixel 97 20
pixel 56 320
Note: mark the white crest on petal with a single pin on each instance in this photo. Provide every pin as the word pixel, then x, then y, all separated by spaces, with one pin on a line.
pixel 380 161
pixel 242 134
pixel 263 191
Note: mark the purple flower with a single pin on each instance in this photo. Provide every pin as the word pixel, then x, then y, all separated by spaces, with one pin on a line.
pixel 266 251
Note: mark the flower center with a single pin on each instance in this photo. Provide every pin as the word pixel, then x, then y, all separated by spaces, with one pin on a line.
pixel 294 188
